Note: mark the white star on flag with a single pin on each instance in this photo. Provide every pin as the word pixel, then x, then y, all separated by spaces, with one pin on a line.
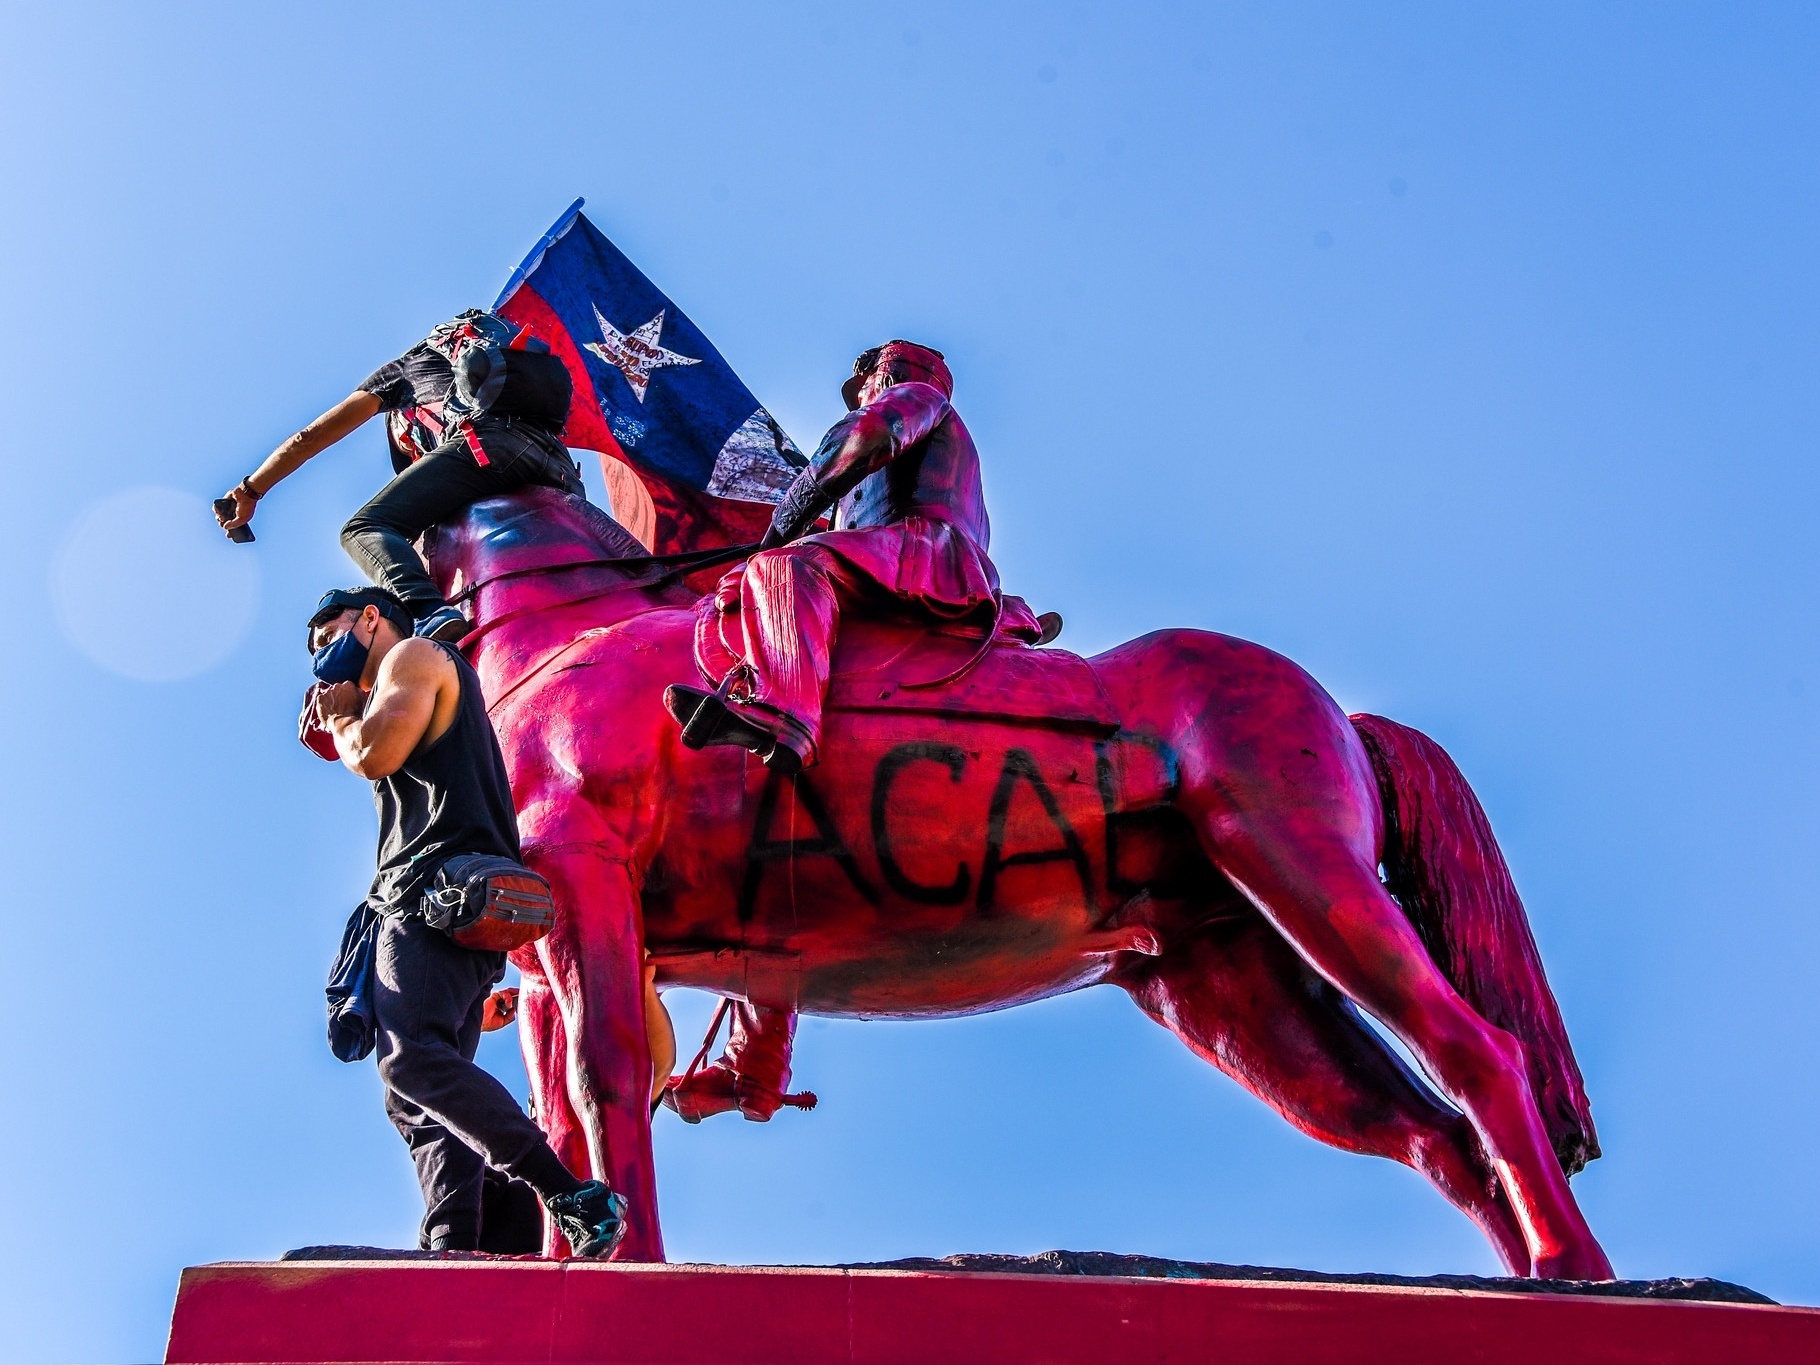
pixel 636 353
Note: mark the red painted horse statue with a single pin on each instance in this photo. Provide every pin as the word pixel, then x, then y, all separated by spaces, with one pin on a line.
pixel 1188 816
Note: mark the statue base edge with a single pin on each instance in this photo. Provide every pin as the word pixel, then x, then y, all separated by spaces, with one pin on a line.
pixel 512 1311
pixel 1702 1289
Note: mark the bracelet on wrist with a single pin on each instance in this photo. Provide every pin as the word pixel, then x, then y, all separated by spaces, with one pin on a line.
pixel 246 486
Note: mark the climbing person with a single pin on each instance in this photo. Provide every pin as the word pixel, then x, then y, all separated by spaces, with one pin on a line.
pixel 474 410
pixel 408 715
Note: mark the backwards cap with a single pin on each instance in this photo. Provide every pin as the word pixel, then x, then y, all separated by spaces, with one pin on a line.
pixel 337 600
pixel 918 364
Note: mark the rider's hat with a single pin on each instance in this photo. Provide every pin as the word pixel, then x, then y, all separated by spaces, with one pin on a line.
pixel 912 363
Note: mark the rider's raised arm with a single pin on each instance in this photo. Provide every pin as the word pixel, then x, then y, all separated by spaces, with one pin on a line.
pixel 397 718
pixel 317 437
pixel 861 443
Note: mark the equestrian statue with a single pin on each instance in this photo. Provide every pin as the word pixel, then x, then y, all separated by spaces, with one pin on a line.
pixel 854 780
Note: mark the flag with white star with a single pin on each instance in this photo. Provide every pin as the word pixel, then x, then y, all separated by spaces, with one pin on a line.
pixel 692 460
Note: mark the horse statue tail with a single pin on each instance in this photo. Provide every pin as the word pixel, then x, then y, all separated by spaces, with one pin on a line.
pixel 1443 866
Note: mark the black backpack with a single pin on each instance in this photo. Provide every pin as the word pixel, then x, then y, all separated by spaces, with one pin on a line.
pixel 501 370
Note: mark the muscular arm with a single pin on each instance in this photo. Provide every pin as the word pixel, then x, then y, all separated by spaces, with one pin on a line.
pixel 400 714
pixel 290 456
pixel 861 443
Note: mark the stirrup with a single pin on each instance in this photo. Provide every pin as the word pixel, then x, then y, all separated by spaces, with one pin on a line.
pixel 707 721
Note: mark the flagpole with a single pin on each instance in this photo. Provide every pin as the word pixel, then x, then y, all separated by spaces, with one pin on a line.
pixel 548 240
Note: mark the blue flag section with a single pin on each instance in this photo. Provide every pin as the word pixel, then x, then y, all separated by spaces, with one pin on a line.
pixel 691 458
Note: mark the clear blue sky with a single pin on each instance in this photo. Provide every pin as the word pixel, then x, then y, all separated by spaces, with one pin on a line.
pixel 1466 354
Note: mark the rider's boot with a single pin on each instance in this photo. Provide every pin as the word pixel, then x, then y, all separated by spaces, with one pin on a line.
pixel 593 1218
pixel 708 719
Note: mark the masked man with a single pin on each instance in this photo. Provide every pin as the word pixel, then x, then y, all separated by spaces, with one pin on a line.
pixel 408 715
pixel 474 410
pixel 909 524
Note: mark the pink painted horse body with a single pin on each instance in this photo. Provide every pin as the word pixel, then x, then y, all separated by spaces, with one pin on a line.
pixel 1188 816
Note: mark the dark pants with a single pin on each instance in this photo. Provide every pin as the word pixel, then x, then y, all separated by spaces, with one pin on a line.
pixel 378 537
pixel 429 995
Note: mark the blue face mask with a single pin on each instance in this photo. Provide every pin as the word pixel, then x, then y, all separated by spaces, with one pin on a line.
pixel 342 659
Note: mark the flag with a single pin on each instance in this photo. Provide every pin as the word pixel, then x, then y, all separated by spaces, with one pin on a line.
pixel 692 460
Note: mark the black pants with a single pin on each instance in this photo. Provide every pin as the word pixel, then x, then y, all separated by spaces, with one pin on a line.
pixel 429 995
pixel 378 537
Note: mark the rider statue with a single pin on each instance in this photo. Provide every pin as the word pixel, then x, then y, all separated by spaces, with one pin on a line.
pixel 909 524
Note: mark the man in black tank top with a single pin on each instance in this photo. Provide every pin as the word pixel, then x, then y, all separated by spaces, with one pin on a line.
pixel 408 714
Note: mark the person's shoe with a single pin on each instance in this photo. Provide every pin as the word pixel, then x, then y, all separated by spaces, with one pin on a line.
pixel 593 1219
pixel 445 623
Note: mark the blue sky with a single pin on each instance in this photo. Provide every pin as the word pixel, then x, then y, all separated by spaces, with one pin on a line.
pixel 1464 354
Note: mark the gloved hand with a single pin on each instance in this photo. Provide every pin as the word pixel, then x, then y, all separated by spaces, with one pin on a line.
pixel 802 504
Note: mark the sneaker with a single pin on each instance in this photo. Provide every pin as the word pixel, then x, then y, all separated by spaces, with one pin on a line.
pixel 445 623
pixel 593 1219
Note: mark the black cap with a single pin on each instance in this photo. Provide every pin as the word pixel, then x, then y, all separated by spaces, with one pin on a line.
pixel 337 600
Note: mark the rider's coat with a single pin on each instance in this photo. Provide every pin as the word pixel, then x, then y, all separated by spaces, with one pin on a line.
pixel 918 526
pixel 913 526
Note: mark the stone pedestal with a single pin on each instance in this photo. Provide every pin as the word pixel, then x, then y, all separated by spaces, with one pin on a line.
pixel 522 1311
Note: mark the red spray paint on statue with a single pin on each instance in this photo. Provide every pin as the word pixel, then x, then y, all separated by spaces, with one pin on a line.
pixel 1188 816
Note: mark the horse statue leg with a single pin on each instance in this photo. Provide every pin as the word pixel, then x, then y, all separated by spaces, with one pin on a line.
pixel 1241 998
pixel 1311 869
pixel 750 1075
pixel 593 960
pixel 1280 790
pixel 545 1045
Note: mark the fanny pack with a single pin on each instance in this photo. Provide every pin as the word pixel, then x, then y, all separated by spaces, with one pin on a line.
pixel 489 903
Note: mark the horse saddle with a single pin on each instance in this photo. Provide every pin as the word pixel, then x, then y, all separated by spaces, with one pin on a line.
pixel 987 669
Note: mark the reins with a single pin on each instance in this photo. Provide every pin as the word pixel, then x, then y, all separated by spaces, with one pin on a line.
pixel 714 1024
pixel 542 664
pixel 673 564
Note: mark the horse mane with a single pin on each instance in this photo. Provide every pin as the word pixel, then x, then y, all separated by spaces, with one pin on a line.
pixel 614 539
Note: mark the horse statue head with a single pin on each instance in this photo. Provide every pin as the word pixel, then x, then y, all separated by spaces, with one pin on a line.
pixel 530 529
pixel 531 548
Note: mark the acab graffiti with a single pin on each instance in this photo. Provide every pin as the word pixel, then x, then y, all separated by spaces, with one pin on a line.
pixel 1030 818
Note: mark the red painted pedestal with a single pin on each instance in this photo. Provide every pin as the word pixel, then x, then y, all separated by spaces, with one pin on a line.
pixel 542 1311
